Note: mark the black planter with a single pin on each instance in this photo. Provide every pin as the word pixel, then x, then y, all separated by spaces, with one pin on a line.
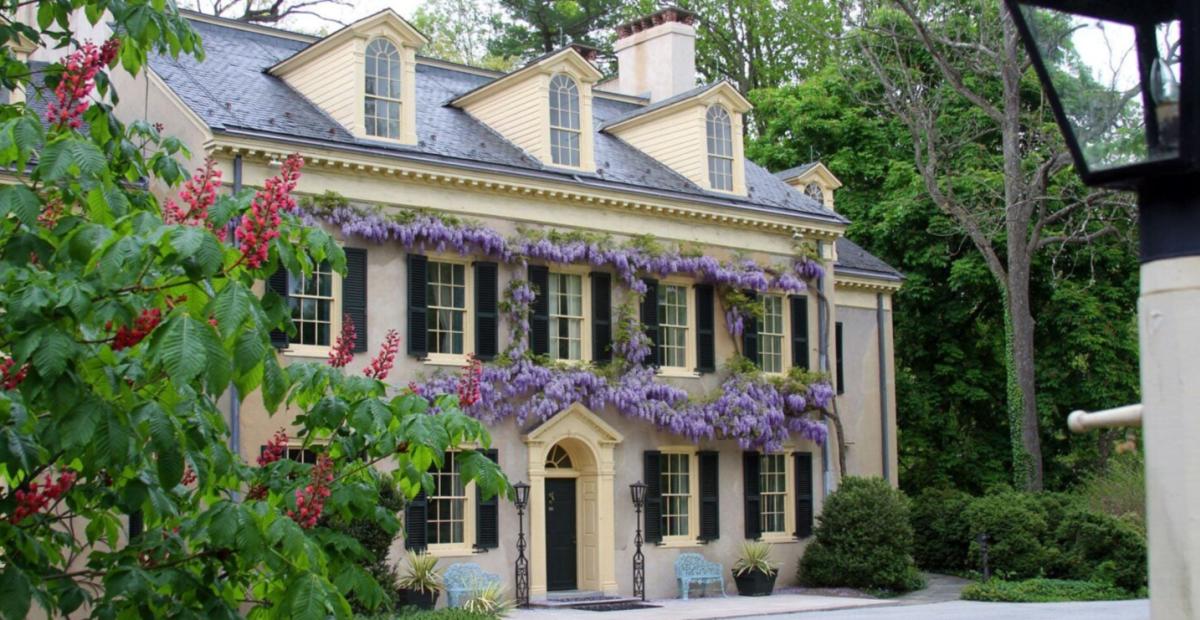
pixel 755 583
pixel 419 598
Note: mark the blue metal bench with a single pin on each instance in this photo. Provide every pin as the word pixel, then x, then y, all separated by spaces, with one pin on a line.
pixel 693 568
pixel 464 580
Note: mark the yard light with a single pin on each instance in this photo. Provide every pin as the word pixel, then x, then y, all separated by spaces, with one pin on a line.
pixel 522 569
pixel 1123 80
pixel 637 492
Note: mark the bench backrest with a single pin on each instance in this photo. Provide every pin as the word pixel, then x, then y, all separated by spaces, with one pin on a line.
pixel 694 564
pixel 467 576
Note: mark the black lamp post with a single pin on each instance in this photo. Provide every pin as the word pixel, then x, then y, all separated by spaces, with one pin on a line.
pixel 522 500
pixel 637 491
pixel 1127 98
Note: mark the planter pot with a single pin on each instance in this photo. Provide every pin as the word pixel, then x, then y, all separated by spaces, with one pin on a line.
pixel 755 583
pixel 420 599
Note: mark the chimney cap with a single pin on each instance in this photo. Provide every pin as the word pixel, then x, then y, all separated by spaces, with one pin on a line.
pixel 659 17
pixel 588 52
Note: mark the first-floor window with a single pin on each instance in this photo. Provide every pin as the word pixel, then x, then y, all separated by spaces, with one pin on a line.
pixel 772 476
pixel 770 335
pixel 446 522
pixel 672 326
pixel 311 300
pixel 446 292
pixel 566 316
pixel 676 493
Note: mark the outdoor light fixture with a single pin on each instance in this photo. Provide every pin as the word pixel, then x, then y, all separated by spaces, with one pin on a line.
pixel 637 492
pixel 522 500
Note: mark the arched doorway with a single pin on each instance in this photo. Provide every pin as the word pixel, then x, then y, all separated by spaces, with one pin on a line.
pixel 571 503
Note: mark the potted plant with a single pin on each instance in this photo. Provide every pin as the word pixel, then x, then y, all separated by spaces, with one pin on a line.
pixel 420 584
pixel 753 572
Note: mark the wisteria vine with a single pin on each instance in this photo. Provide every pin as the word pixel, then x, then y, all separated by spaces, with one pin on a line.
pixel 756 410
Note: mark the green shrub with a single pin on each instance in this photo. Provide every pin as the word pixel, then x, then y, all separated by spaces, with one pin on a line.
pixel 1120 489
pixel 1101 548
pixel 375 536
pixel 1042 591
pixel 1016 527
pixel 941 536
pixel 863 540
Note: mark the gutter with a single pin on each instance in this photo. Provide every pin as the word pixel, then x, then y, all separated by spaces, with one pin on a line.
pixel 883 391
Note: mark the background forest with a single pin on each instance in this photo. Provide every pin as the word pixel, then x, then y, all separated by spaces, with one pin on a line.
pixel 898 99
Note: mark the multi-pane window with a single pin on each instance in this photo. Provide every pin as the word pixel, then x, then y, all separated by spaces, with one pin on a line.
pixel 814 191
pixel 311 300
pixel 772 480
pixel 676 493
pixel 672 326
pixel 566 316
pixel 720 149
pixel 564 121
pixel 446 296
pixel 446 522
pixel 381 111
pixel 770 335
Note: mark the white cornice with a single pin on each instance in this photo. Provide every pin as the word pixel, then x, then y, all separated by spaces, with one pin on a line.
pixel 864 282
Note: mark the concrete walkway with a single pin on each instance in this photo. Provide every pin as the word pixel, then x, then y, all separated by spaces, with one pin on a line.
pixel 970 610
pixel 715 607
pixel 938 589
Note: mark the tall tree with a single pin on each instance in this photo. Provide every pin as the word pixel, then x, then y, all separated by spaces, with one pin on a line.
pixel 930 58
pixel 461 30
pixel 537 27
pixel 268 11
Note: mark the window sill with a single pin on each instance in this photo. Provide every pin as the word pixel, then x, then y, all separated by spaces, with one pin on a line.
pixel 306 351
pixel 445 360
pixel 451 551
pixel 680 544
pixel 779 539
pixel 676 373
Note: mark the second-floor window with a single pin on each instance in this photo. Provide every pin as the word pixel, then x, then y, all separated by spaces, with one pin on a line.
pixel 564 121
pixel 446 292
pixel 381 111
pixel 672 326
pixel 566 316
pixel 720 149
pixel 770 334
pixel 312 303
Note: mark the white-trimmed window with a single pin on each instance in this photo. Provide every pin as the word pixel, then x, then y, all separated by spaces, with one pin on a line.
pixel 677 495
pixel 313 302
pixel 771 334
pixel 566 316
pixel 773 486
pixel 673 326
pixel 813 190
pixel 720 148
pixel 448 517
pixel 446 315
pixel 381 103
pixel 564 121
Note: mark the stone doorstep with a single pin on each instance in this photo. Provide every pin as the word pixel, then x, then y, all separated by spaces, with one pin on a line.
pixel 568 600
pixel 712 608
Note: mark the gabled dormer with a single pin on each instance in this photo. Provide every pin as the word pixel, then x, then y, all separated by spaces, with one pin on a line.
pixel 363 76
pixel 544 107
pixel 698 133
pixel 814 179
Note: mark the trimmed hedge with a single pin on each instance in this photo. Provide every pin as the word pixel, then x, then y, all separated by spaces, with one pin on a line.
pixel 1016 527
pixel 863 540
pixel 940 532
pixel 1099 547
pixel 1042 591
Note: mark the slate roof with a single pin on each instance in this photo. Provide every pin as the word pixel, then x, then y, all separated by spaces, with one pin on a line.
pixel 853 259
pixel 231 92
pixel 657 105
pixel 792 173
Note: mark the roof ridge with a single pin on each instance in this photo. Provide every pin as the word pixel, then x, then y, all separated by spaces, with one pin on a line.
pixel 237 24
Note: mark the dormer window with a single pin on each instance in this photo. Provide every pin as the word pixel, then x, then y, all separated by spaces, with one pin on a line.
pixel 813 190
pixel 564 121
pixel 720 149
pixel 381 111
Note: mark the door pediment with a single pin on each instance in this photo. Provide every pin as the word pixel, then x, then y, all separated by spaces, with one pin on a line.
pixel 575 421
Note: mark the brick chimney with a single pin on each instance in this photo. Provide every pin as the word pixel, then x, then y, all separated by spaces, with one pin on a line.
pixel 656 54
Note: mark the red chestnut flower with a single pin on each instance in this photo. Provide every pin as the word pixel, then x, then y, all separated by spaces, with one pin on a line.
pixel 77 81
pixel 343 350
pixel 199 193
pixel 382 364
pixel 142 326
pixel 38 497
pixel 261 224
pixel 11 377
pixel 310 500
pixel 468 383
pixel 275 449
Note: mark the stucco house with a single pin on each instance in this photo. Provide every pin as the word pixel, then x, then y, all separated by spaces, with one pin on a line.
pixel 393 140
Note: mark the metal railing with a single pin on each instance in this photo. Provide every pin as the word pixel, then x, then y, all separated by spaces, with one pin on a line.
pixel 1082 421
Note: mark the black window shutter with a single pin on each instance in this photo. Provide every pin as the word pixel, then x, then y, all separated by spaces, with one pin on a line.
pixel 804 494
pixel 650 318
pixel 751 461
pixel 418 278
pixel 415 522
pixel 278 284
pixel 837 346
pixel 601 317
pixel 799 305
pixel 539 320
pixel 652 472
pixel 487 513
pixel 710 506
pixel 706 351
pixel 750 335
pixel 487 311
pixel 354 295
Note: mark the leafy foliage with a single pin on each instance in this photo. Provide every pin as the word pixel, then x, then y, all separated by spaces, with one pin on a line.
pixel 85 257
pixel 1101 548
pixel 1041 590
pixel 863 540
pixel 1015 524
pixel 940 531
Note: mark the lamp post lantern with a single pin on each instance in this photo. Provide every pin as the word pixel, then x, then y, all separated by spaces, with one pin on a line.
pixel 637 492
pixel 1123 80
pixel 522 500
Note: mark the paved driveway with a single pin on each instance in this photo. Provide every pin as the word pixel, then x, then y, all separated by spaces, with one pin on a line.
pixel 1106 610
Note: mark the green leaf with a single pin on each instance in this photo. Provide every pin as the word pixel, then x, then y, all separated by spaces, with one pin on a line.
pixel 71 157
pixel 21 202
pixel 181 350
pixel 275 383
pixel 15 593
pixel 78 426
pixel 231 307
pixel 51 357
pixel 307 598
pixel 165 441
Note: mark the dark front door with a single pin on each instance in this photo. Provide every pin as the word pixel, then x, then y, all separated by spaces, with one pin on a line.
pixel 560 534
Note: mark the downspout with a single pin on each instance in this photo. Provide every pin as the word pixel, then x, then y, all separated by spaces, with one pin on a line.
pixel 883 391
pixel 823 365
pixel 235 400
